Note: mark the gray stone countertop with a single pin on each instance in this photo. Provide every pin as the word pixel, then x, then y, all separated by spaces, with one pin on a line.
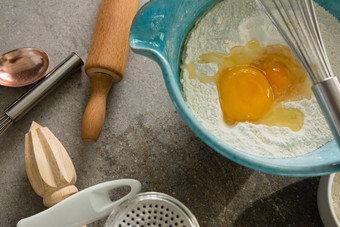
pixel 143 136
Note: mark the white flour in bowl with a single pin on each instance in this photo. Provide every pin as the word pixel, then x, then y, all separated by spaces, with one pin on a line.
pixel 224 27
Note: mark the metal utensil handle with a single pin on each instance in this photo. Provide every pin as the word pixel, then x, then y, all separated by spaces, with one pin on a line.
pixel 328 95
pixel 27 101
pixel 83 207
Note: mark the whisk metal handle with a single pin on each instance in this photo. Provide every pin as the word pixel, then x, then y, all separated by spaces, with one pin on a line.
pixel 27 101
pixel 328 93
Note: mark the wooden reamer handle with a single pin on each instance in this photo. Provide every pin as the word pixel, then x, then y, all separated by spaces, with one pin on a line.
pixel 106 60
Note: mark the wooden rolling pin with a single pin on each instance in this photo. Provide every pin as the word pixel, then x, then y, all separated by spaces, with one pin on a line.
pixel 49 168
pixel 106 60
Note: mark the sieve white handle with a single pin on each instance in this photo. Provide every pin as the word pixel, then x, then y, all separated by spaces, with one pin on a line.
pixel 83 207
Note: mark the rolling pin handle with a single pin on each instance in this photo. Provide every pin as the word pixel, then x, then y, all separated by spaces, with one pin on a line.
pixel 94 114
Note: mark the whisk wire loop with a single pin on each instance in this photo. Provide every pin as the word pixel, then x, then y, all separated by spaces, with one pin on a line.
pixel 288 34
pixel 313 36
pixel 304 34
pixel 313 24
pixel 319 39
pixel 5 122
pixel 297 22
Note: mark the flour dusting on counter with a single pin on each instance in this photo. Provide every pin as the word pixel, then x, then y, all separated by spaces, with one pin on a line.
pixel 224 27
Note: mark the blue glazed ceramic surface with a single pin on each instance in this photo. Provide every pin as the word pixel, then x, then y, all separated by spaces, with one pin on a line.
pixel 159 31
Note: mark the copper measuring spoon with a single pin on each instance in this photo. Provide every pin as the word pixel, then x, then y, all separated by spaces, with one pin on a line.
pixel 21 67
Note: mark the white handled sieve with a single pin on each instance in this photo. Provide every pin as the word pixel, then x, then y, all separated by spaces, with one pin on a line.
pixel 133 210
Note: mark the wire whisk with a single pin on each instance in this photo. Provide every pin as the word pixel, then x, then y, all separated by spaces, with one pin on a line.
pixel 297 22
pixel 33 96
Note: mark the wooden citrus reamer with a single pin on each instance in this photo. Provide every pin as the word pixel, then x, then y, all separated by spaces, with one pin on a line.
pixel 49 168
pixel 106 60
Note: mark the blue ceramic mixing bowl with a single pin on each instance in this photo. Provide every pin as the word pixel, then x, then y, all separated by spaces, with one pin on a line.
pixel 159 31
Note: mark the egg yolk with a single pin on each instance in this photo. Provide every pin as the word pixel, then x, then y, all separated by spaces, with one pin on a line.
pixel 245 94
pixel 254 82
pixel 278 78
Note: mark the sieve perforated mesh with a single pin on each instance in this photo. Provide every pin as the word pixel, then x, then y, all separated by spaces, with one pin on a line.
pixel 152 211
pixel 151 214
